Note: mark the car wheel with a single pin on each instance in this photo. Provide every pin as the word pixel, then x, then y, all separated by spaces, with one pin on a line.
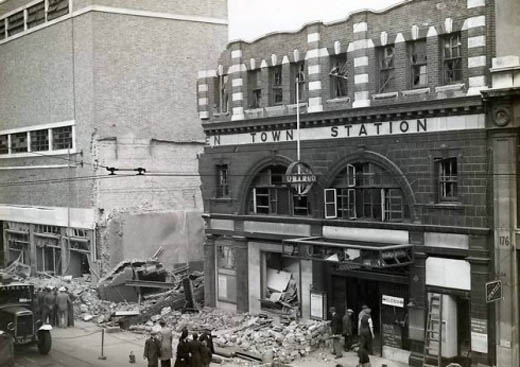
pixel 44 341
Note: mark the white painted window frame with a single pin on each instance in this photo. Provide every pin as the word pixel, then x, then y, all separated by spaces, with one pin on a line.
pixel 334 202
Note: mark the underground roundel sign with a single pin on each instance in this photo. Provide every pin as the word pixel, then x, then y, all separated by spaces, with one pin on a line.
pixel 300 177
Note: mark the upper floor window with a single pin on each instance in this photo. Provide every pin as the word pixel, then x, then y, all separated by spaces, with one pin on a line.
pixel 2 29
pixel 365 191
pixel 36 15
pixel 386 68
pixel 418 63
pixel 62 137
pixel 451 58
pixel 19 143
pixel 39 140
pixel 15 23
pixel 298 81
pixel 447 178
pixel 221 95
pixel 270 195
pixel 338 76
pixel 4 144
pixel 254 90
pixel 222 181
pixel 275 80
pixel 57 8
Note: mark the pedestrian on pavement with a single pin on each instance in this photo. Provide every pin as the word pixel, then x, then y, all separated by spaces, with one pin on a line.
pixel 364 360
pixel 165 336
pixel 183 351
pixel 206 354
pixel 152 349
pixel 195 351
pixel 40 296
pixel 336 329
pixel 48 306
pixel 366 331
pixel 62 308
pixel 347 328
pixel 70 313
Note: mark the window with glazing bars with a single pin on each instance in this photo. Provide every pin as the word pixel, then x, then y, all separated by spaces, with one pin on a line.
pixel 222 181
pixel 447 178
pixel 276 85
pixel 35 15
pixel 15 23
pixel 253 85
pixel 221 95
pixel 57 8
pixel 418 63
pixel 62 138
pixel 452 59
pixel 19 143
pixel 386 69
pixel 2 28
pixel 39 140
pixel 338 76
pixel 4 144
pixel 298 81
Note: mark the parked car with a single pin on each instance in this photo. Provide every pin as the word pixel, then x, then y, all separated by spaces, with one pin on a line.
pixel 20 316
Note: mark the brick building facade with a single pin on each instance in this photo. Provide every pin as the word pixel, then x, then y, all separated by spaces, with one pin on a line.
pixel 391 200
pixel 90 84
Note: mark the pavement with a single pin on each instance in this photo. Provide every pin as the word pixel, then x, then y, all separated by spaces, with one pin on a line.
pixel 81 347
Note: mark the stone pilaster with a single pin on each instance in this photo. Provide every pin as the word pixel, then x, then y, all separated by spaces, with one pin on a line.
pixel 240 245
pixel 477 46
pixel 209 271
pixel 313 58
pixel 358 50
pixel 237 74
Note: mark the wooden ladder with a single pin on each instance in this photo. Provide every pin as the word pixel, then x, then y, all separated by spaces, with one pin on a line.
pixel 433 335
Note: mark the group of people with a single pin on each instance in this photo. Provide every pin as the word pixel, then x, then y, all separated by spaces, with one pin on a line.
pixel 194 352
pixel 343 328
pixel 55 306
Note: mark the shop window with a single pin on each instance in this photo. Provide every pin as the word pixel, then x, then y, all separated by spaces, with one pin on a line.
pixel 275 79
pixel 271 196
pixel 418 63
pixel 254 90
pixel 227 275
pixel 4 144
pixel 19 143
pixel 447 178
pixel 386 68
pixel 62 138
pixel 298 82
pixel 279 282
pixel 39 140
pixel 221 94
pixel 15 23
pixel 35 15
pixel 338 76
pixel 365 191
pixel 57 8
pixel 452 58
pixel 222 181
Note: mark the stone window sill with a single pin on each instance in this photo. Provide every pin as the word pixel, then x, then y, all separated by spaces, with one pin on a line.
pixel 339 100
pixel 450 87
pixel 447 205
pixel 223 200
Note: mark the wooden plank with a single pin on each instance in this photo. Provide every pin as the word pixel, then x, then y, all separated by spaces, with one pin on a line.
pixel 150 284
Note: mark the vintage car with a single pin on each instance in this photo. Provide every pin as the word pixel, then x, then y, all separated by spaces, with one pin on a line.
pixel 20 316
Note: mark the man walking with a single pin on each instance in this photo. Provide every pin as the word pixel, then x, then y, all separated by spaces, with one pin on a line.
pixel 366 331
pixel 347 328
pixel 336 331
pixel 165 336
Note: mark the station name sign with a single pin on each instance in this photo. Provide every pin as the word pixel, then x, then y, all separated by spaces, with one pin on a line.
pixel 358 130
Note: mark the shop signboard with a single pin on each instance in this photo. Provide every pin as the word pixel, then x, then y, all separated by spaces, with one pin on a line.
pixel 493 291
pixel 318 305
pixel 392 336
pixel 393 301
pixel 479 335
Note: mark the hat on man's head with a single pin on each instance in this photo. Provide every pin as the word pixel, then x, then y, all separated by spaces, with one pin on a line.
pixel 62 289
pixel 364 307
pixel 349 310
pixel 332 309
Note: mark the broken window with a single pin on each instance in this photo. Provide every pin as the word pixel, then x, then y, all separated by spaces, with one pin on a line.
pixel 19 143
pixel 279 283
pixel 227 282
pixel 338 76
pixel 366 191
pixel 447 178
pixel 15 23
pixel 270 195
pixel 298 81
pixel 39 140
pixel 452 58
pixel 222 181
pixel 253 85
pixel 57 8
pixel 62 138
pixel 4 144
pixel 18 245
pixel 386 69
pixel 221 95
pixel 276 97
pixel 35 15
pixel 418 63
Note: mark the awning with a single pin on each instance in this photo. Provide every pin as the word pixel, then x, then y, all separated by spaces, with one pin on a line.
pixel 350 254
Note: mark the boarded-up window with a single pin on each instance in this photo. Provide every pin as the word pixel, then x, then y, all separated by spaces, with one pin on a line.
pixel 57 8
pixel 35 15
pixel 15 23
pixel 39 140
pixel 62 138
pixel 19 143
pixel 4 144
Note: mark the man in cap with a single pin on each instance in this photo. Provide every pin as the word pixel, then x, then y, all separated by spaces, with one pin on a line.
pixel 347 328
pixel 152 348
pixel 62 307
pixel 336 329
